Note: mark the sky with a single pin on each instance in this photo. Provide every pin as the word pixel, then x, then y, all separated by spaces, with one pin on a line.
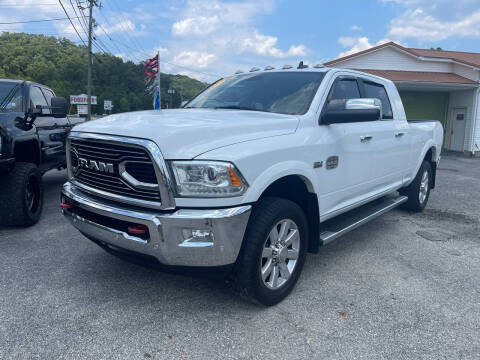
pixel 208 39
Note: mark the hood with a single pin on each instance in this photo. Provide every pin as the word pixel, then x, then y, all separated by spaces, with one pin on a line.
pixel 187 133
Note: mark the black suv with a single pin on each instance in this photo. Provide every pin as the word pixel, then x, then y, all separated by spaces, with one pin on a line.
pixel 33 129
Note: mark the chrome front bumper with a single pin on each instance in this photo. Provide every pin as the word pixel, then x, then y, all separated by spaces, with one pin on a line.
pixel 166 241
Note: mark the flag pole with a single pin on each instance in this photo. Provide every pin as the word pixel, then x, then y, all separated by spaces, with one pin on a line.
pixel 158 74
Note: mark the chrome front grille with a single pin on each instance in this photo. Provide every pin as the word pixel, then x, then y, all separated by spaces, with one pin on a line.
pixel 121 169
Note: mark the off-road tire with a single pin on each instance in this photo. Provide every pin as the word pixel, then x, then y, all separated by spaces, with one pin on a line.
pixel 16 206
pixel 246 277
pixel 413 190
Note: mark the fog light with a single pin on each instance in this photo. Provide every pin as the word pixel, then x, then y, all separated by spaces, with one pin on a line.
pixel 138 229
pixel 66 205
pixel 197 237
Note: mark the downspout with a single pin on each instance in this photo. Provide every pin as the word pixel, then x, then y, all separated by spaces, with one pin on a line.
pixel 475 116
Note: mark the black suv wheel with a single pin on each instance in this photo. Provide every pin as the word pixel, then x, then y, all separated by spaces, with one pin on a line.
pixel 21 196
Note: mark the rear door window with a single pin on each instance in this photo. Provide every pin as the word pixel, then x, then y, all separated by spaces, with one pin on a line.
pixel 377 91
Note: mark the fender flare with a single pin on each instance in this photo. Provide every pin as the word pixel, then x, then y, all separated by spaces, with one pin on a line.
pixel 281 170
pixel 29 138
pixel 435 153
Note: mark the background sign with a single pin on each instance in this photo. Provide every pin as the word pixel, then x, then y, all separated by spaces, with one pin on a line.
pixel 82 109
pixel 107 105
pixel 82 99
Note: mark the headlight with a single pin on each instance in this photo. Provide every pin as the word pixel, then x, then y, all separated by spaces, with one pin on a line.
pixel 207 179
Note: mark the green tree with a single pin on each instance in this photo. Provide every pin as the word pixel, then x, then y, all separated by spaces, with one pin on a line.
pixel 62 65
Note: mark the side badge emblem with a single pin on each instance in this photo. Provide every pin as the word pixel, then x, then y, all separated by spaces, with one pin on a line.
pixel 332 162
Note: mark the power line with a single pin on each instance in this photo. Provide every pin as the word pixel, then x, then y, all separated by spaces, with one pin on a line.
pixel 192 70
pixel 45 45
pixel 34 21
pixel 81 25
pixel 108 36
pixel 74 28
pixel 126 21
pixel 97 42
pixel 127 31
pixel 25 6
pixel 80 10
pixel 124 43
pixel 71 22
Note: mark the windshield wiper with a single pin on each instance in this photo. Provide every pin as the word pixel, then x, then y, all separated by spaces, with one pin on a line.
pixel 236 107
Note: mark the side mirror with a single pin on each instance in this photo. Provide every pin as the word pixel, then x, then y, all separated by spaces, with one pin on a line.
pixel 183 103
pixel 352 110
pixel 58 108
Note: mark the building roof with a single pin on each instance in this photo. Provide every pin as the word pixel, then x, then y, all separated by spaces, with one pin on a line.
pixel 467 58
pixel 421 76
pixel 459 56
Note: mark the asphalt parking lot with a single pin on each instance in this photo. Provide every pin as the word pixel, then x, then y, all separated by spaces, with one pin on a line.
pixel 405 286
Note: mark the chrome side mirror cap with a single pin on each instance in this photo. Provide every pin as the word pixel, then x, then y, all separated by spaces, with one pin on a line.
pixel 364 104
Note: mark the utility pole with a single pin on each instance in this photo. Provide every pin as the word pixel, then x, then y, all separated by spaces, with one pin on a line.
pixel 159 89
pixel 91 3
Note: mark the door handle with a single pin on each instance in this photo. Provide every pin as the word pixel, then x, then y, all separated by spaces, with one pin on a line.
pixel 399 134
pixel 366 138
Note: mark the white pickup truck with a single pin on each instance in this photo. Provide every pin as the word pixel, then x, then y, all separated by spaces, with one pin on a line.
pixel 256 171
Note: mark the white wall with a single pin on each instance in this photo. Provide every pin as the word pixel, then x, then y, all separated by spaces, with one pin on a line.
pixel 463 99
pixel 390 58
pixel 466 72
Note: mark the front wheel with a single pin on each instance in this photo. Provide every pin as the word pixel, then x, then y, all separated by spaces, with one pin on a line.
pixel 418 191
pixel 21 196
pixel 273 252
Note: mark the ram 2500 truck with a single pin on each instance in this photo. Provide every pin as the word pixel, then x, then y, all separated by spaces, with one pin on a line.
pixel 33 130
pixel 256 171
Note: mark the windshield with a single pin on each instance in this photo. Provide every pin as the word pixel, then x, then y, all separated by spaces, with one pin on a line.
pixel 277 92
pixel 10 97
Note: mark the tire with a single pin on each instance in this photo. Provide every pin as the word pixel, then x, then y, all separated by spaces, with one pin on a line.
pixel 277 261
pixel 418 191
pixel 21 196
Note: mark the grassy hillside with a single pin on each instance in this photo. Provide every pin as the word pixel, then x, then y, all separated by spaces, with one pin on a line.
pixel 62 65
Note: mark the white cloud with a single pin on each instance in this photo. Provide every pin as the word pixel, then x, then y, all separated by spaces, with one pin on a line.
pixel 356 28
pixel 266 45
pixel 194 59
pixel 200 25
pixel 430 21
pixel 347 41
pixel 420 25
pixel 218 37
pixel 357 44
pixel 118 27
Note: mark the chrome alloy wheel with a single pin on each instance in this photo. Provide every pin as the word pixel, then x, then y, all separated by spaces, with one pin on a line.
pixel 422 194
pixel 280 254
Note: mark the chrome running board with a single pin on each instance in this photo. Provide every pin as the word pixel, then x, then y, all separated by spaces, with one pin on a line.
pixel 342 224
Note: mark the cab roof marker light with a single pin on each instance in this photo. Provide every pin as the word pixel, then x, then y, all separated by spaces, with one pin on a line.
pixel 287 67
pixel 301 65
pixel 253 69
pixel 269 67
pixel 319 66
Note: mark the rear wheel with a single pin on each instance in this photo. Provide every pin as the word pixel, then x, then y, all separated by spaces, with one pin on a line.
pixel 273 252
pixel 21 196
pixel 418 191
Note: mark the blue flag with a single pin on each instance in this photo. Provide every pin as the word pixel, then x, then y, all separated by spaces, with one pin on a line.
pixel 156 100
